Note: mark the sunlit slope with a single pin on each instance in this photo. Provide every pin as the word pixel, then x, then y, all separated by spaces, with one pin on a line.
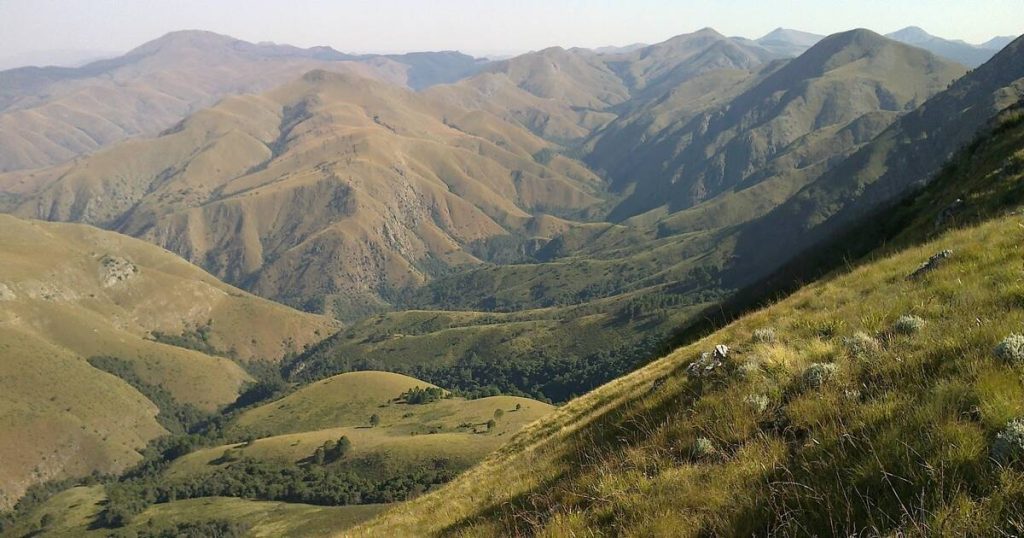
pixel 331 188
pixel 72 292
pixel 407 437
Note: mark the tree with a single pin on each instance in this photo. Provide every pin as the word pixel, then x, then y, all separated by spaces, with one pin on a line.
pixel 519 406
pixel 342 448
pixel 374 420
pixel 491 424
pixel 498 413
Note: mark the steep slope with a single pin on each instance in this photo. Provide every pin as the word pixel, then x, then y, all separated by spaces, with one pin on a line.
pixel 787 128
pixel 958 51
pixel 564 95
pixel 332 188
pixel 70 293
pixel 903 157
pixel 868 402
pixel 598 300
pixel 51 115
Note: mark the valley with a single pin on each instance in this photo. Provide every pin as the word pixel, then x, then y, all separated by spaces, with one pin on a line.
pixel 700 287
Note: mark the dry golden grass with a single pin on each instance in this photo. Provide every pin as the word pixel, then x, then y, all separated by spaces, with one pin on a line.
pixel 71 292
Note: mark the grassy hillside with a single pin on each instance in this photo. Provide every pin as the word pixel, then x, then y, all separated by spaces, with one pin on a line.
pixel 309 464
pixel 70 293
pixel 868 402
pixel 332 193
pixel 408 436
pixel 623 289
pixel 73 511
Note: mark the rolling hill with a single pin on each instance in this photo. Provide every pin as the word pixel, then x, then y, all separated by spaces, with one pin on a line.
pixel 801 425
pixel 70 293
pixel 438 436
pixel 51 115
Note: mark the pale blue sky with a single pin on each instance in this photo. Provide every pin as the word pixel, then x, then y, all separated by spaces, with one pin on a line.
pixel 476 26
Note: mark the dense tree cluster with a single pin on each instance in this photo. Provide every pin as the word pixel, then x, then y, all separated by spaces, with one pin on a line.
pixel 268 481
pixel 417 395
pixel 332 451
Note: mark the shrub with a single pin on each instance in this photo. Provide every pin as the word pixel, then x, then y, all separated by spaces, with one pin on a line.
pixel 765 335
pixel 861 345
pixel 908 324
pixel 750 368
pixel 759 402
pixel 1009 444
pixel 1011 349
pixel 819 374
pixel 703 449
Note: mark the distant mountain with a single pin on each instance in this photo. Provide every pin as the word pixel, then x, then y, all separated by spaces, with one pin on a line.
pixel 784 125
pixel 998 43
pixel 958 51
pixel 333 191
pixel 50 115
pixel 620 50
pixel 786 42
pixel 58 58
pixel 905 156
pixel 70 293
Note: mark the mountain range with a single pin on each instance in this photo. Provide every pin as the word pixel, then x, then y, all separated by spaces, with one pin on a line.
pixel 49 115
pixel 420 253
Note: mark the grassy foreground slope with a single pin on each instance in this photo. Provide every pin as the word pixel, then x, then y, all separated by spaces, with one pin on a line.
pixel 869 402
pixel 69 293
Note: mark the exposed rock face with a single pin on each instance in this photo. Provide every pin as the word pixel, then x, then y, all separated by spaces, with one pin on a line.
pixel 933 263
pixel 116 270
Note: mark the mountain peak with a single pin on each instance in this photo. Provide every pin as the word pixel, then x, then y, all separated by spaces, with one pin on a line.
pixel 911 34
pixel 843 48
pixel 184 39
pixel 790 35
pixel 707 31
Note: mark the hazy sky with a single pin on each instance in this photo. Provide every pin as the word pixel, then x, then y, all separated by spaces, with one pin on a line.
pixel 475 26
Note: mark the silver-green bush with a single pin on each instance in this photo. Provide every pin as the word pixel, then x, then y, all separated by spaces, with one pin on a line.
pixel 908 324
pixel 820 374
pixel 861 345
pixel 1009 444
pixel 765 335
pixel 1011 349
